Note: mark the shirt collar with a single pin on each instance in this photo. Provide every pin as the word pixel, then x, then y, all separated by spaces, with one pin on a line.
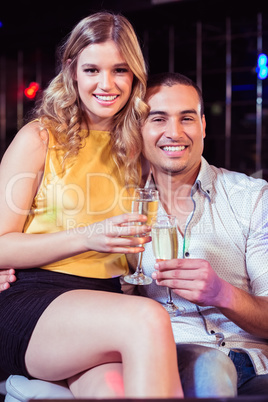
pixel 203 183
pixel 204 180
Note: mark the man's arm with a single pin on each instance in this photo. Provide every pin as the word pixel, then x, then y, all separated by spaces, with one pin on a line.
pixel 196 281
pixel 247 311
pixel 7 276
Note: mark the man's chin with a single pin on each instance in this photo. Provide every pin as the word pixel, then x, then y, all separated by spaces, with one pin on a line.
pixel 173 170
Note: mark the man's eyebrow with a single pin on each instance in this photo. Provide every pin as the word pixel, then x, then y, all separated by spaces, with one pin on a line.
pixel 188 111
pixel 163 113
pixel 157 112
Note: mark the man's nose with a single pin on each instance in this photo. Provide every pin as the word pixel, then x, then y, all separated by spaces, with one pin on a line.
pixel 174 129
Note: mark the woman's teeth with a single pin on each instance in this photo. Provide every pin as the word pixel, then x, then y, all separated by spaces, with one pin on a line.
pixel 106 98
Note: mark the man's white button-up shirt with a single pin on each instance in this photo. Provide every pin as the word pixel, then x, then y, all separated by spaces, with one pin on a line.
pixel 229 228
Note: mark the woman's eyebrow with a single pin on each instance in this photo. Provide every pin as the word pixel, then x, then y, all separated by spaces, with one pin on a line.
pixel 93 65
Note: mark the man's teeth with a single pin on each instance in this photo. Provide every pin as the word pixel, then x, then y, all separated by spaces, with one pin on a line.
pixel 174 149
pixel 106 98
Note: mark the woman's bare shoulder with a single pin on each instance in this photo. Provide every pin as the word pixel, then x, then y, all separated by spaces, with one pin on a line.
pixel 33 133
pixel 29 145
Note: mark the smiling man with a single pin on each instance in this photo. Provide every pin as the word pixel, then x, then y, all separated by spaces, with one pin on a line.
pixel 174 110
pixel 220 277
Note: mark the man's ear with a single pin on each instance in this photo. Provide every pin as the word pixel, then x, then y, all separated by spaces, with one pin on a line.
pixel 204 124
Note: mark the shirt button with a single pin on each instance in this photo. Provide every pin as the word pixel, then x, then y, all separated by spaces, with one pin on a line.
pixel 212 332
pixel 223 344
pixel 187 254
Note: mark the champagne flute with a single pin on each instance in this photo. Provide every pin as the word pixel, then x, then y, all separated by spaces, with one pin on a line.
pixel 145 202
pixel 165 247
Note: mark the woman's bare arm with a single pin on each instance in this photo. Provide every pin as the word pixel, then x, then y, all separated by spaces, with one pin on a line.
pixel 20 175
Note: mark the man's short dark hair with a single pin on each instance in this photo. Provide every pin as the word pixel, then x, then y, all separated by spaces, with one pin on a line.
pixel 170 79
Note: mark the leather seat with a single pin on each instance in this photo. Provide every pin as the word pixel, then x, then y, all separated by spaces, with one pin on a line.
pixel 21 389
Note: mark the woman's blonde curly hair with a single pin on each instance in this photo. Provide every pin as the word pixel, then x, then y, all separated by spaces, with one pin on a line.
pixel 62 110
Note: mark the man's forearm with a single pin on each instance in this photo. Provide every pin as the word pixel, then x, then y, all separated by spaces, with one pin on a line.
pixel 249 312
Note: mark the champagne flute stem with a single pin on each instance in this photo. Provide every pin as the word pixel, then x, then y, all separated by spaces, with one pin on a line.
pixel 170 300
pixel 139 269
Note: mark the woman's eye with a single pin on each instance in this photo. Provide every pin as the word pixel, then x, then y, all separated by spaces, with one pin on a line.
pixel 121 70
pixel 90 70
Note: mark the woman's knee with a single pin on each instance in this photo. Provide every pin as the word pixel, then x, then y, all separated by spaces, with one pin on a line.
pixel 150 318
pixel 151 312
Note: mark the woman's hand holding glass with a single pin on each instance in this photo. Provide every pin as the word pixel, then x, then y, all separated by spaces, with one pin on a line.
pixel 121 234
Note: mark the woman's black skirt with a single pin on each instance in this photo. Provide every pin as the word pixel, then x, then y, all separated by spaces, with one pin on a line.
pixel 24 302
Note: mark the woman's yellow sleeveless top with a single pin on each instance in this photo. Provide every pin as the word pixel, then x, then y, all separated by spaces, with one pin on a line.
pixel 81 191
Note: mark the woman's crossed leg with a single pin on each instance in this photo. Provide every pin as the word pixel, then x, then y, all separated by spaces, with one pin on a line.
pixel 82 329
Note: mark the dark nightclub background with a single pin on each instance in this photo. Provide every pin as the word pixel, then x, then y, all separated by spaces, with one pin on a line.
pixel 216 43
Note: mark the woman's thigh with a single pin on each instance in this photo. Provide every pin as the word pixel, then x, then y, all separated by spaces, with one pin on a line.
pixel 25 301
pixel 81 329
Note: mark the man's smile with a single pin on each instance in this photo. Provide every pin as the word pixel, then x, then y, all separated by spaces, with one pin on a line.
pixel 173 148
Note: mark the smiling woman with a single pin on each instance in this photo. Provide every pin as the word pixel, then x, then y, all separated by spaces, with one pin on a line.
pixel 104 82
pixel 65 184
pixel 62 105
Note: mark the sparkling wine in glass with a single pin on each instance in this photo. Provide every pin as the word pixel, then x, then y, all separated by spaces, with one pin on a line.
pixel 145 202
pixel 165 247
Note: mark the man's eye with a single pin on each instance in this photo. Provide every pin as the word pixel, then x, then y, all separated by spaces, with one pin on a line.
pixel 158 120
pixel 187 118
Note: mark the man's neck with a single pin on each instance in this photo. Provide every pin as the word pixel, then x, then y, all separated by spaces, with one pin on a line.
pixel 175 193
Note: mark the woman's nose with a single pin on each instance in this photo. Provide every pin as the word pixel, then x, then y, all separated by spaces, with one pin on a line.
pixel 106 81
